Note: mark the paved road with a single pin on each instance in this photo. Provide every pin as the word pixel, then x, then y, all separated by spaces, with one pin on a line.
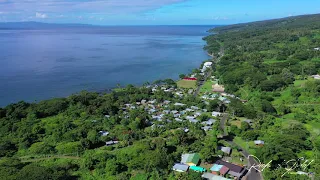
pixel 208 74
pixel 253 174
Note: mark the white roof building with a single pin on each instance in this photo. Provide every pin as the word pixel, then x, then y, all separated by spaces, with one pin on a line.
pixel 317 76
pixel 205 66
pixel 216 114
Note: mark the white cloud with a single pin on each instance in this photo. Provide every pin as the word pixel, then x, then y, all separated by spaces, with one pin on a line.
pixel 41 15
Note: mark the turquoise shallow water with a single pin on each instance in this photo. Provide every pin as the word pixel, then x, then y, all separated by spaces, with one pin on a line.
pixel 41 64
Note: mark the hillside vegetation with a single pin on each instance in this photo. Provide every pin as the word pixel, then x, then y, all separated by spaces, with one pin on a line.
pixel 270 63
pixel 139 133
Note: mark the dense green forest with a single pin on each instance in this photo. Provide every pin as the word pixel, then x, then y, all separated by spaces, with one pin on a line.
pixel 139 133
pixel 270 64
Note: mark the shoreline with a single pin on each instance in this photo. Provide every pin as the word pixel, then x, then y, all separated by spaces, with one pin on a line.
pixel 107 90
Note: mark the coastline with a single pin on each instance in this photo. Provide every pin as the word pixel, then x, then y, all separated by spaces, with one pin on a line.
pixel 205 56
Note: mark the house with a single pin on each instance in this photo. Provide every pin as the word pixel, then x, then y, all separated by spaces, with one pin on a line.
pixel 234 170
pixel 151 111
pixel 317 49
pixel 177 119
pixel 127 105
pixel 190 78
pixel 317 76
pixel 226 150
pixel 179 104
pixel 216 167
pixel 193 120
pixel 248 121
pixel 216 114
pixel 259 143
pixel 218 88
pixel 206 128
pixel 206 65
pixel 174 111
pixel 143 101
pixel 104 133
pixel 186 130
pixel 189 110
pixel 223 170
pixel 197 114
pixel 210 176
pixel 189 117
pixel 157 126
pixel 210 122
pixel 177 115
pixel 190 91
pixel 194 107
pixel 221 98
pixel 152 102
pixel 107 116
pixel 180 167
pixel 179 94
pixel 190 159
pixel 156 117
pixel 110 143
pixel 197 168
pixel 166 111
pixel 166 102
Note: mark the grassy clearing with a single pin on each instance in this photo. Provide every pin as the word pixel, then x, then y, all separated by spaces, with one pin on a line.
pixel 248 146
pixel 207 87
pixel 236 155
pixel 187 84
pixel 304 40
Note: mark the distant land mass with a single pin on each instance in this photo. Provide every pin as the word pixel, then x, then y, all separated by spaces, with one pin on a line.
pixel 40 25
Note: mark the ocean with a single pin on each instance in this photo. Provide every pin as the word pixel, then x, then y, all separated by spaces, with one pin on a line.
pixel 47 63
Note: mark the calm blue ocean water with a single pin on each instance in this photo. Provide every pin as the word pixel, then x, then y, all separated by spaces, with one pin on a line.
pixel 41 64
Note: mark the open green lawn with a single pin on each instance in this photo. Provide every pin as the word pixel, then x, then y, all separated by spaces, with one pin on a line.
pixel 248 146
pixel 304 40
pixel 187 84
pixel 207 87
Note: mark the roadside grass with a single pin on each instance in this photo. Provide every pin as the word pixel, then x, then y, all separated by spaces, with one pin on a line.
pixel 187 84
pixel 207 87
pixel 235 158
pixel 248 146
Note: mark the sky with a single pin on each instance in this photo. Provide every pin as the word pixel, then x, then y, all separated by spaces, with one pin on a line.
pixel 153 12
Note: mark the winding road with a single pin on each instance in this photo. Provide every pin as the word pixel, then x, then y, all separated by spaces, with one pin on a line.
pixel 252 174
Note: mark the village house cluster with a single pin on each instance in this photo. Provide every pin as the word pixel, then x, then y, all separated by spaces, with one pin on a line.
pixel 219 170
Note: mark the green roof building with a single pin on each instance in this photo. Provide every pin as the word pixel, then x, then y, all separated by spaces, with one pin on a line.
pixel 190 159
